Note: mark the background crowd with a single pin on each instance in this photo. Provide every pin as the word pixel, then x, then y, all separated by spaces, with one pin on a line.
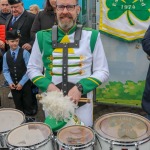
pixel 14 18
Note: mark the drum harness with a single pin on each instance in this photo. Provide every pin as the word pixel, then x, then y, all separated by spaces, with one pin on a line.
pixel 65 47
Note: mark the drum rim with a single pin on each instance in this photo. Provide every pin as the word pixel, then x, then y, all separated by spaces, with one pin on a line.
pixel 113 139
pixel 37 145
pixel 91 143
pixel 121 143
pixel 16 110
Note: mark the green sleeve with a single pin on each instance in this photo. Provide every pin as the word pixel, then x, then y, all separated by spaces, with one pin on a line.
pixel 89 83
pixel 41 82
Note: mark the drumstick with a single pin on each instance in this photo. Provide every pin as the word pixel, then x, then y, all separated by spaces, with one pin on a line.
pixel 83 100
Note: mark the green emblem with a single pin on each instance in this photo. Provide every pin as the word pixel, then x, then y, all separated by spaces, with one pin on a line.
pixel 137 8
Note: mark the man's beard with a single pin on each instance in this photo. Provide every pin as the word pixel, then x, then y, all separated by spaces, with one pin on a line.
pixel 66 25
pixel 5 11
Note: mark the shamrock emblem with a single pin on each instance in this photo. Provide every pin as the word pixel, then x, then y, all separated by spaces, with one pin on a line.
pixel 137 8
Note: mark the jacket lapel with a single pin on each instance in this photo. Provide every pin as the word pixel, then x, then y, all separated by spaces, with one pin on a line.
pixel 22 20
pixel 8 21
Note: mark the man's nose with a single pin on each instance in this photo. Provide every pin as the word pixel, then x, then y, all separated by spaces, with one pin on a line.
pixel 65 10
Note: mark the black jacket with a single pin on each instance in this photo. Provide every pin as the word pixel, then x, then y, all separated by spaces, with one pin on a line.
pixel 24 24
pixel 2 19
pixel 43 20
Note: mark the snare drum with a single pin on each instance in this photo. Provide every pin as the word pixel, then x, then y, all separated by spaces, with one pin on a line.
pixel 122 131
pixel 30 136
pixel 9 119
pixel 75 137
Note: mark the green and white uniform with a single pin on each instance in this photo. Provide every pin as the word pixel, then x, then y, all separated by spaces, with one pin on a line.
pixel 80 62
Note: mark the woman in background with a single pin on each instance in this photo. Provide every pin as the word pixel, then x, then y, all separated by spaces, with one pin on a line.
pixel 44 19
pixel 34 9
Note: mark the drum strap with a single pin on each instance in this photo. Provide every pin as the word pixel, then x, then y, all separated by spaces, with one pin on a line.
pixel 65 47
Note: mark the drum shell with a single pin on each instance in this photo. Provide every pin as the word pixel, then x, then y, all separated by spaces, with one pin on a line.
pixel 105 142
pixel 46 144
pixel 12 112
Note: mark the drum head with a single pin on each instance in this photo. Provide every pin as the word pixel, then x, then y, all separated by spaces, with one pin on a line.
pixel 28 134
pixel 75 135
pixel 123 127
pixel 10 119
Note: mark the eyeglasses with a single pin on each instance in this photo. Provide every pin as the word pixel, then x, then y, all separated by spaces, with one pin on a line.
pixel 68 7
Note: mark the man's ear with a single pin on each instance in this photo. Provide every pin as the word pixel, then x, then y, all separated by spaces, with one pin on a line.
pixel 6 41
pixel 78 10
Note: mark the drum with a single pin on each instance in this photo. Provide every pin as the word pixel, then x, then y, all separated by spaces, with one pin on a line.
pixel 9 119
pixel 57 125
pixel 122 131
pixel 30 136
pixel 75 137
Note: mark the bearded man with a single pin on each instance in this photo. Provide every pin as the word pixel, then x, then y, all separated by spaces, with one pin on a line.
pixel 73 58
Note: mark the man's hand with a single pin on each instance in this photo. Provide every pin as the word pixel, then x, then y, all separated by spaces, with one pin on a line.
pixel 74 94
pixel 27 46
pixel 18 87
pixel 2 44
pixel 12 86
pixel 52 87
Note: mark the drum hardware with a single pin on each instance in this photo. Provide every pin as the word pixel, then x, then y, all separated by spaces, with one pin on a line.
pixel 2 140
pixel 98 142
pixel 111 145
pixel 137 146
pixel 83 100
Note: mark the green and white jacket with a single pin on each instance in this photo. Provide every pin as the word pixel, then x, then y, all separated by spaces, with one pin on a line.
pixel 80 60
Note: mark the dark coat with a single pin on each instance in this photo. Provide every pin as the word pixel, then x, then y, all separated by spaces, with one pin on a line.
pixel 2 19
pixel 146 94
pixel 43 20
pixel 24 24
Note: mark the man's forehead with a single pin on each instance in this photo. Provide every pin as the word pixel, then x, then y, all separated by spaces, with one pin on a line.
pixel 66 1
pixel 4 1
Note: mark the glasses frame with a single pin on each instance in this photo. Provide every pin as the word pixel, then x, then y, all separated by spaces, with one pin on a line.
pixel 59 9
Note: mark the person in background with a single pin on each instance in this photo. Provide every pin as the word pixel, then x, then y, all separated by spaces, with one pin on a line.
pixel 76 69
pixel 22 20
pixel 4 12
pixel 45 19
pixel 34 9
pixel 14 70
pixel 146 93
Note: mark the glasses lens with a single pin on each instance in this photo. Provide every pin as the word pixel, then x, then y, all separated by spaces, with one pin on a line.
pixel 60 7
pixel 68 7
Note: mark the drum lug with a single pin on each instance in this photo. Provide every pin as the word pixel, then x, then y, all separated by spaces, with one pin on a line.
pixel 111 145
pixel 137 146
pixel 2 140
